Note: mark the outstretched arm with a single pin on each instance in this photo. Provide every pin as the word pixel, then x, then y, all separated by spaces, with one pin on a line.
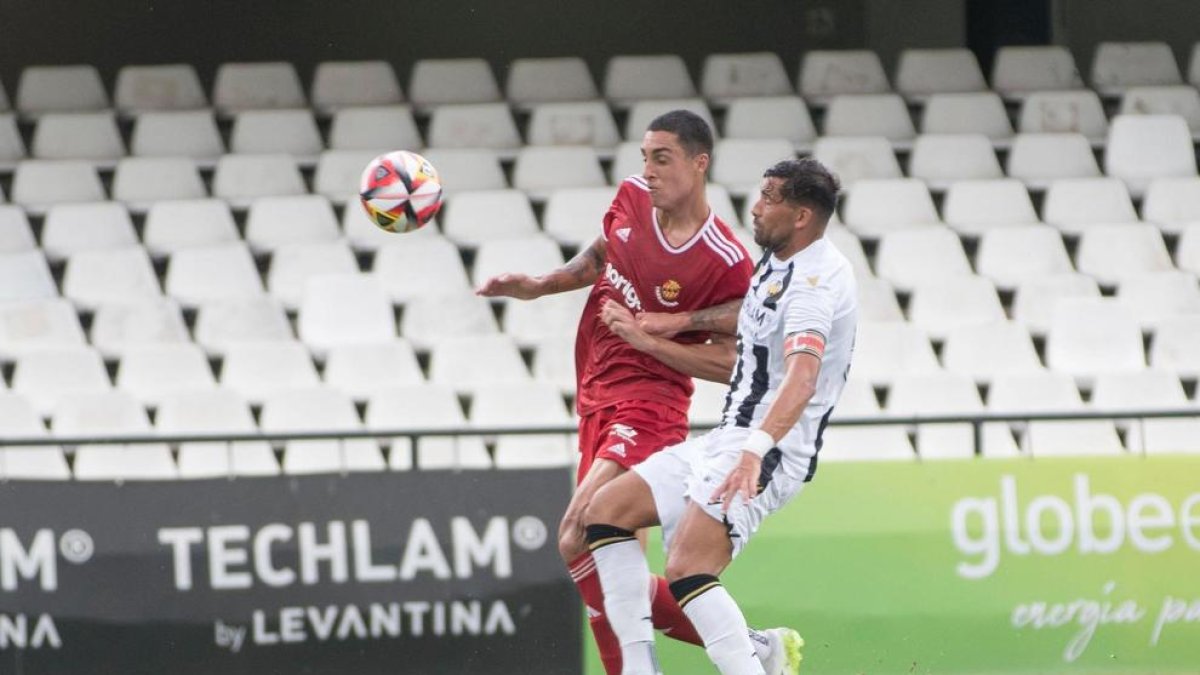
pixel 716 319
pixel 708 361
pixel 580 271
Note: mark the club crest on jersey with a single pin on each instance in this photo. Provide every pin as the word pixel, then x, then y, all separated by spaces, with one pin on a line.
pixel 668 292
pixel 623 233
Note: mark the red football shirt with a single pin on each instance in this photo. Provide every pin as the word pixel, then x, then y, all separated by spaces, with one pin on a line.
pixel 647 274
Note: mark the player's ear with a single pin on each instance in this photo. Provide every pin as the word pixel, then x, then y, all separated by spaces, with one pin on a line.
pixel 702 160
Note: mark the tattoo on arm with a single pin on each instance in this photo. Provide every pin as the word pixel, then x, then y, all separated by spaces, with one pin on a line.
pixel 717 319
pixel 583 269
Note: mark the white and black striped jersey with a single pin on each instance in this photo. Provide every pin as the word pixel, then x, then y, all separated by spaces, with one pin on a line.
pixel 814 290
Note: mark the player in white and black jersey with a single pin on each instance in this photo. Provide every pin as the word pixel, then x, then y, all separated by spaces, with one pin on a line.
pixel 795 337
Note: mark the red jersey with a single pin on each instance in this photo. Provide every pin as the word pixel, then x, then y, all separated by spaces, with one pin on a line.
pixel 647 274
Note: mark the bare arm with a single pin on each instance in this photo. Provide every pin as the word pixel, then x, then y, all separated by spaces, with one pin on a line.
pixel 711 361
pixel 580 271
pixel 716 319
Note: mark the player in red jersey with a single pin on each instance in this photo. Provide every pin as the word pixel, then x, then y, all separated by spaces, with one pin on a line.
pixel 661 251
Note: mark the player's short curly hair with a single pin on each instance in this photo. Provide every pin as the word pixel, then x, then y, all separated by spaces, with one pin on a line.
pixel 693 132
pixel 808 183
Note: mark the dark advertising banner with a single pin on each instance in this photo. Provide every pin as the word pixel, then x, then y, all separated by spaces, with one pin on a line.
pixel 431 572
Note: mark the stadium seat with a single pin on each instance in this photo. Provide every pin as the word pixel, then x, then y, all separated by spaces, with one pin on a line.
pixel 627 161
pixel 471 361
pixel 467 170
pixel 43 462
pixel 88 136
pixel 532 255
pixel 71 228
pixel 527 404
pixel 1144 147
pixel 420 267
pixel 118 327
pixel 1075 205
pixel 255 86
pixel 25 276
pixel 572 216
pixel 554 362
pixel 338 174
pixel 886 350
pixel 531 323
pixel 437 82
pixel 909 258
pixel 223 324
pixel 1115 253
pixel 365 369
pixel 1064 112
pixel 540 170
pixel 1172 204
pixel 173 226
pixel 876 207
pixel 1117 66
pixel 985 351
pixel 975 207
pixel 1010 256
pixel 239 179
pixel 12 148
pixel 4 105
pixel 474 125
pixel 427 407
pixel 1175 346
pixel 855 158
pixel 199 275
pixel 828 73
pixel 40 183
pixel 870 115
pixel 1040 159
pixel 846 242
pixel 51 89
pixel 139 182
pixel 214 411
pixel 738 163
pixel 319 409
pixel 44 376
pixel 1193 73
pixel 257 371
pixel 1037 299
pixel 174 86
pixel 344 309
pixel 1187 254
pixel 98 277
pixel 863 443
pixel 642 112
pixel 364 235
pixel 946 394
pixel 151 372
pixel 191 134
pixel 725 77
pixel 105 414
pixel 634 78
pixel 923 72
pixel 721 203
pixel 585 123
pixel 337 85
pixel 374 128
pixel 534 81
pixel 264 132
pixel 1088 337
pixel 37 324
pixel 938 307
pixel 1020 71
pixel 15 234
pixel 300 219
pixel 941 159
pixel 431 319
pixel 293 264
pixel 877 300
pixel 981 113
pixel 1157 296
pixel 708 402
pixel 771 117
pixel 1149 390
pixel 1050 392
pixel 471 218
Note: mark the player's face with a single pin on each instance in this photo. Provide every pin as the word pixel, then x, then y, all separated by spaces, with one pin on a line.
pixel 672 174
pixel 775 219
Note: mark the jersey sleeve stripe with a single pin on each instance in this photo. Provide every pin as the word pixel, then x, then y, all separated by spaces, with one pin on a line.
pixel 638 181
pixel 719 235
pixel 730 254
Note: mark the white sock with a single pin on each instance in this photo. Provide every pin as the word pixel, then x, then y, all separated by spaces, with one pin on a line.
pixel 762 644
pixel 625 578
pixel 721 624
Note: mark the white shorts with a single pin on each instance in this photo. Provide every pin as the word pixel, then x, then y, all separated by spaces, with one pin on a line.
pixel 692 470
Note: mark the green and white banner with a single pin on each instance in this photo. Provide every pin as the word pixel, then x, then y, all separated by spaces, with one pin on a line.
pixel 1088 565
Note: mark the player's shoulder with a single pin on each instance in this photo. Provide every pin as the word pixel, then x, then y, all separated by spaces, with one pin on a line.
pixel 720 240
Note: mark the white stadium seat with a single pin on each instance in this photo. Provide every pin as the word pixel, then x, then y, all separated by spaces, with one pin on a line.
pixel 37 324
pixel 1193 73
pixel 253 86
pixel 1149 390
pixel 191 134
pixel 1075 205
pixel 319 409
pixel 214 411
pixel 708 402
pixel 724 77
pixel 828 73
pixel 533 81
pixel 118 327
pixel 344 309
pixel 40 183
pixel 1117 66
pixel 1144 147
pixel 981 113
pixel 886 350
pixel 738 163
pixel 173 226
pixel 298 219
pixel 437 82
pixel 1019 71
pixel 25 276
pixel 1051 392
pixel 151 372
pixel 528 404
pixel 1172 204
pixel 1117 252
pixel 105 414
pixel 863 443
pixel 771 117
pixel 429 320
pixel 876 207
pixel 554 362
pixel 947 394
pixel 1176 346
pixel 223 324
pixel 199 275
pixel 909 258
pixel 16 235
pixel 985 351
pixel 541 169
pixel 853 158
pixel 1040 159
pixel 256 371
pixel 469 362
pixel 1154 297
pixel 1089 337
pixel 975 207
pixel 573 216
pixel 339 173
pixel 139 182
pixel 12 148
pixel 428 407
pixel 533 322
pixel 71 228
pixel 474 125
pixel 465 170
pixel 337 85
pixel 43 462
pixel 1037 299
pixel 67 88
pixel 264 132
pixel 1064 112
pixel 877 300
pixel 922 72
pixel 98 277
pixel 239 179
pixel 634 78
pixel 46 375
pixel 365 369
pixel 90 136
pixel 1010 256
pixel 941 159
pixel 642 112
pixel 1188 251
pixel 173 86
pixel 293 264
pixel 471 218
pixel 939 307
pixel 533 255
pixel 870 115
pixel 587 123
pixel 420 267
pixel 374 128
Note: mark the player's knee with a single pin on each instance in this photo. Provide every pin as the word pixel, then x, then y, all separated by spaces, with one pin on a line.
pixel 571 543
pixel 678 567
pixel 601 511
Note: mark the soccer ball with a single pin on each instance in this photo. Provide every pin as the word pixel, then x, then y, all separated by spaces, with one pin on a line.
pixel 400 191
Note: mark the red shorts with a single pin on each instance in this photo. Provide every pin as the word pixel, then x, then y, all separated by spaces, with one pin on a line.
pixel 627 433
